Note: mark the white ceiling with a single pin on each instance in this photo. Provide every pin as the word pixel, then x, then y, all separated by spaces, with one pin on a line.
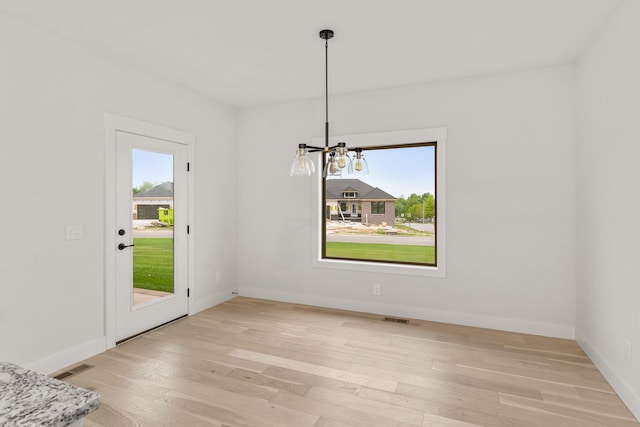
pixel 253 52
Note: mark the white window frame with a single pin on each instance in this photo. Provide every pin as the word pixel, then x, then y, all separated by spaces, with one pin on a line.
pixel 439 135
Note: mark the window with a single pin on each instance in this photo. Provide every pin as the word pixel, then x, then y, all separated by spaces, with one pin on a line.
pixel 400 222
pixel 377 208
pixel 402 178
pixel 349 194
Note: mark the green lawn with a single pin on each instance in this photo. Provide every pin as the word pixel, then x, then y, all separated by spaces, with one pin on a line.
pixel 382 252
pixel 153 258
pixel 153 264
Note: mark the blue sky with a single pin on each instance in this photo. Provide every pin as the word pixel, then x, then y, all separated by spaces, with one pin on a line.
pixel 153 167
pixel 400 172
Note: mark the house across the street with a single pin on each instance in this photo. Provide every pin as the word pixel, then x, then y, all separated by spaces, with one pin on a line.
pixel 354 200
pixel 146 203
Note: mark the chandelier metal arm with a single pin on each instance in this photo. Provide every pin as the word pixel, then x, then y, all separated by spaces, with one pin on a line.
pixel 315 149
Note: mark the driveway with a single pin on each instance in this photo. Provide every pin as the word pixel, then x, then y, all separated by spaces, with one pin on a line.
pixel 148 228
pixel 421 227
pixel 153 233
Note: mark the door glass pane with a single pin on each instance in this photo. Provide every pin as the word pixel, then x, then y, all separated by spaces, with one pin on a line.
pixel 152 226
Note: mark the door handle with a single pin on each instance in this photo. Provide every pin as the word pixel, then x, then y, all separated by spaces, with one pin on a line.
pixel 121 246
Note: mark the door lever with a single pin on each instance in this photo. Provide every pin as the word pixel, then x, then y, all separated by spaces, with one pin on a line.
pixel 121 246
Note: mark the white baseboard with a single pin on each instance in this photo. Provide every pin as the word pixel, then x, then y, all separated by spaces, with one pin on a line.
pixel 629 396
pixel 68 357
pixel 458 318
pixel 212 300
pixel 64 358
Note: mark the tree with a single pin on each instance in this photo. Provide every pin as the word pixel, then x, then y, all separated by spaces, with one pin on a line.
pixel 400 205
pixel 416 207
pixel 419 207
pixel 143 187
pixel 409 207
pixel 416 211
pixel 429 205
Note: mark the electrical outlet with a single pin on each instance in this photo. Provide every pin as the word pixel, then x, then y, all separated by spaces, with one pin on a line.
pixel 628 351
pixel 376 289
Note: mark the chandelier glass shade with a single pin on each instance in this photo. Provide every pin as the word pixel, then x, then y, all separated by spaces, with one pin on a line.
pixel 358 165
pixel 302 165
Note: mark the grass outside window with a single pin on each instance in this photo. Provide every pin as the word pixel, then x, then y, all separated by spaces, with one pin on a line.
pixel 153 264
pixel 381 252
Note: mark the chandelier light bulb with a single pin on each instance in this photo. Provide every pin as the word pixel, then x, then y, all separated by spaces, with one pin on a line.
pixel 342 162
pixel 341 154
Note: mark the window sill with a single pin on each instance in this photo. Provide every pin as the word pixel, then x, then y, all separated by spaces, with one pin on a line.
pixel 378 267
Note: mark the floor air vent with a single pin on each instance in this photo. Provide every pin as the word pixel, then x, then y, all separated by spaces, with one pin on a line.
pixel 73 371
pixel 396 320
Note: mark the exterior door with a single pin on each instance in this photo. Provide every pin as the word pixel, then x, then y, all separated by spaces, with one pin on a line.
pixel 151 266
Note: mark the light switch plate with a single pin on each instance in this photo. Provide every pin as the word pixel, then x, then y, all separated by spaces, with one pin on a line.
pixel 74 232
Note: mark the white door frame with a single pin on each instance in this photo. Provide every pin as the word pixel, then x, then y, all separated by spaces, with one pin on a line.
pixel 114 123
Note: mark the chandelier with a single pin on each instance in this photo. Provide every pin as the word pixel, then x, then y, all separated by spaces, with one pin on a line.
pixel 338 155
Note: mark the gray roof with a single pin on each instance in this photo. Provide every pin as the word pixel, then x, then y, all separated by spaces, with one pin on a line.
pixel 379 194
pixel 161 190
pixel 336 187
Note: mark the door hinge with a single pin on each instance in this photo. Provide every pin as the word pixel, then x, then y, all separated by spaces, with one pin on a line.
pixel 188 293
pixel 187 229
pixel 188 167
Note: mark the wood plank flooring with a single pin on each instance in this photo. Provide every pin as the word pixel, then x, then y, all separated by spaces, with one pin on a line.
pixel 250 362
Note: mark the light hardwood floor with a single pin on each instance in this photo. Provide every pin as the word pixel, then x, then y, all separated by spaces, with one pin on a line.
pixel 250 362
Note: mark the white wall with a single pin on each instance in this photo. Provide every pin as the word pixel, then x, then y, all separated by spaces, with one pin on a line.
pixel 608 202
pixel 510 202
pixel 53 97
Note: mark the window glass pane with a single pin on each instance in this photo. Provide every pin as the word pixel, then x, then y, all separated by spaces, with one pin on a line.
pixel 390 215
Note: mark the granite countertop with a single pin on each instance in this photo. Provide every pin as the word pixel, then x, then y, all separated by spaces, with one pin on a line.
pixel 28 398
